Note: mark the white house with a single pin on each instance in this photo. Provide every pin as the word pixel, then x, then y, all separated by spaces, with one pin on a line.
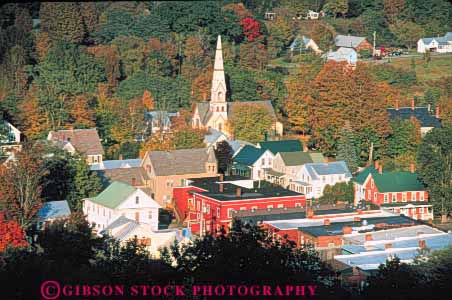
pixel 342 54
pixel 313 177
pixel 120 199
pixel 124 229
pixel 441 44
pixel 301 43
pixel 252 162
pixel 12 135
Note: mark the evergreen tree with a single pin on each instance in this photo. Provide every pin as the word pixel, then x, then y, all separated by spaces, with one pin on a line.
pixel 346 149
pixel 86 184
pixel 224 153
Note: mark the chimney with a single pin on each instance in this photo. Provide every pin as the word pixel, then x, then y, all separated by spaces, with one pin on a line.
pixel 429 107
pixel 309 213
pixel 422 244
pixel 204 96
pixel 221 188
pixel 368 237
pixel 305 147
pixel 356 219
pixel 325 160
pixel 437 112
pixel 120 157
pixel 412 104
pixel 397 104
pixel 134 181
pixel 376 165
pixel 388 246
pixel 238 192
pixel 412 168
pixel 380 169
pixel 326 222
pixel 347 230
pixel 221 177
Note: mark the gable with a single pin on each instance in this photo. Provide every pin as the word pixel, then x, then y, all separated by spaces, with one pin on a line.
pixel 267 154
pixel 145 201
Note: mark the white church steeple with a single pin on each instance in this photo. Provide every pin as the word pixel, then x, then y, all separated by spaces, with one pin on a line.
pixel 218 91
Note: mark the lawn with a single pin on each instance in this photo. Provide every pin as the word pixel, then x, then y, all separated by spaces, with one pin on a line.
pixel 439 66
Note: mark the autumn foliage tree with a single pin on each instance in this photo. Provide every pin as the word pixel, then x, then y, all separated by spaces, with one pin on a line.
pixel 251 29
pixel 148 100
pixel 250 122
pixel 20 190
pixel 11 234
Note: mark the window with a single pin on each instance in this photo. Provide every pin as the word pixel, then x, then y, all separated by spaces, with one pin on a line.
pixel 375 196
pixel 137 200
pixel 263 161
pixel 270 206
pixel 371 184
pixel 253 207
pixel 242 208
pixel 150 214
pixel 369 193
pixel 198 205
pixel 385 198
pixel 218 211
pixel 169 183
pixel 137 216
pixel 403 197
pixel 422 196
pixel 323 179
pixel 222 108
pixel 394 197
pixel 103 212
pixel 230 212
pixel 280 205
pixel 297 204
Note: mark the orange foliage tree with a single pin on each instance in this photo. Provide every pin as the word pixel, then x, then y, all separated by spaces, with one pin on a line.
pixel 34 121
pixel 148 100
pixel 81 114
pixel 11 234
pixel 20 185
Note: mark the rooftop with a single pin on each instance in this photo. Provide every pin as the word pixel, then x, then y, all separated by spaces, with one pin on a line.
pixel 330 168
pixel 114 194
pixel 182 161
pixel 300 158
pixel 85 141
pixel 348 41
pixel 281 146
pixel 397 182
pixel 117 164
pixel 364 224
pixel 262 189
pixel 422 114
pixel 53 210
pixel 248 155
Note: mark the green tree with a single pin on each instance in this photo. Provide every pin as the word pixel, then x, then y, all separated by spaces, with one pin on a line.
pixel 405 137
pixel 250 122
pixel 223 153
pixel 434 161
pixel 342 191
pixel 336 7
pixel 346 149
pixel 188 139
pixel 86 184
pixel 407 33
pixel 63 21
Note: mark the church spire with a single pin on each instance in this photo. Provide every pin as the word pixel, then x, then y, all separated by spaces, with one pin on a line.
pixel 218 92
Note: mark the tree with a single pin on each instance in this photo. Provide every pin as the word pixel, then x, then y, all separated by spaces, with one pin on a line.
pixel 250 255
pixel 69 242
pixel 405 137
pixel 34 121
pixel 346 149
pixel 189 138
pixel 11 234
pixel 43 45
pixel 393 8
pixel 223 153
pixel 20 189
pixel 63 21
pixel 434 161
pixel 251 29
pixel 86 183
pixel 342 191
pixel 250 122
pixel 148 100
pixel 81 115
pixel 253 55
pixel 407 33
pixel 335 7
pixel 280 36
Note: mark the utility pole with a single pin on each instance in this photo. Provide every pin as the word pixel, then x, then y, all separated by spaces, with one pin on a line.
pixel 375 37
pixel 371 153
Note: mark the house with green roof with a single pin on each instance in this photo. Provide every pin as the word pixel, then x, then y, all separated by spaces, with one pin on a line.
pixel 120 199
pixel 252 162
pixel 286 165
pixel 398 192
pixel 281 146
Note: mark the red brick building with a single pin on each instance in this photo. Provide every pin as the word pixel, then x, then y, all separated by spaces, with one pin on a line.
pixel 207 204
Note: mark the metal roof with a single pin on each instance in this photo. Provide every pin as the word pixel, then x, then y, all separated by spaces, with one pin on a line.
pixel 53 210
